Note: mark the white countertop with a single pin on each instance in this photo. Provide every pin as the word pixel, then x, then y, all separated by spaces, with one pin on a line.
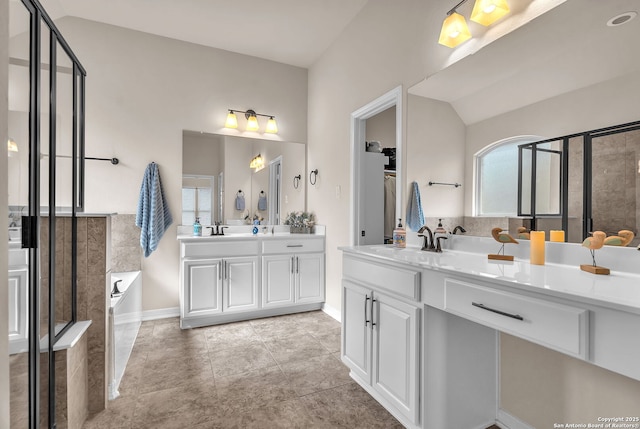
pixel 619 290
pixel 243 233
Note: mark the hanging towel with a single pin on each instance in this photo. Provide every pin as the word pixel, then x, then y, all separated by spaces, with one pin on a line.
pixel 153 215
pixel 239 201
pixel 415 218
pixel 262 201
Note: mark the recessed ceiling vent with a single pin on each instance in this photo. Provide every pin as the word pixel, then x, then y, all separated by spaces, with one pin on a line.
pixel 621 19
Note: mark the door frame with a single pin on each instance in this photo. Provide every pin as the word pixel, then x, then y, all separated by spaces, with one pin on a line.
pixel 358 137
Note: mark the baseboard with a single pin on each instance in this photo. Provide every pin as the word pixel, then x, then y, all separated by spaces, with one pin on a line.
pixel 331 311
pixel 508 421
pixel 161 313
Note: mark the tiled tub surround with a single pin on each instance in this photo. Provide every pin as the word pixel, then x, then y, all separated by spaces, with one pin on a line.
pixel 563 308
pixel 126 253
pixel 278 372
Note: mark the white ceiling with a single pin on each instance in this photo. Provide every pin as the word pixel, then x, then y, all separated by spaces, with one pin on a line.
pixel 566 49
pixel 294 32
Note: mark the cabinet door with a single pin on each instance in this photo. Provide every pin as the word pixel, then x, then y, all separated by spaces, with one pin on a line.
pixel 277 280
pixel 202 291
pixel 396 348
pixel 310 277
pixel 356 329
pixel 18 301
pixel 240 290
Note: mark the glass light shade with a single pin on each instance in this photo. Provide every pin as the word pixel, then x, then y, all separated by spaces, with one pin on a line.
pixel 12 147
pixel 486 12
pixel 232 120
pixel 454 31
pixel 252 123
pixel 272 127
pixel 257 162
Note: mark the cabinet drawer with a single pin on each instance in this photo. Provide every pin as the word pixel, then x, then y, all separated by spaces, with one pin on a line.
pixel 220 249
pixel 399 281
pixel 293 245
pixel 553 325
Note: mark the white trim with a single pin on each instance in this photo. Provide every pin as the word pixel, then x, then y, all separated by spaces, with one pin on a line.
pixel 332 311
pixel 358 131
pixel 508 421
pixel 161 313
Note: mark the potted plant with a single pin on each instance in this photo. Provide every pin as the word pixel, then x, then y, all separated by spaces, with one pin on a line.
pixel 300 222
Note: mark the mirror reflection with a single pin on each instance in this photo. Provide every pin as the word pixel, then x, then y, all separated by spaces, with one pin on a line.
pixel 538 72
pixel 219 186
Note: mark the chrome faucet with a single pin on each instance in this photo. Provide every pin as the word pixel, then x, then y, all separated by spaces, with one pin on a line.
pixel 431 243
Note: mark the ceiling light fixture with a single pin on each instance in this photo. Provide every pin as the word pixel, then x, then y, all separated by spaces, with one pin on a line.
pixel 455 29
pixel 252 121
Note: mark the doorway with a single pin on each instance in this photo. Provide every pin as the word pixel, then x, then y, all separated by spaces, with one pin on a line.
pixel 367 171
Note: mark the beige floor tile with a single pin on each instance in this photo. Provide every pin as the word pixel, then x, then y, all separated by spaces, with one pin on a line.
pixel 187 405
pixel 347 406
pixel 226 377
pixel 241 393
pixel 240 359
pixel 182 371
pixel 316 374
pixel 299 347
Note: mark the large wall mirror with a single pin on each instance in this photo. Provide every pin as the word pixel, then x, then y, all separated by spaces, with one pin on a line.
pixel 219 186
pixel 570 48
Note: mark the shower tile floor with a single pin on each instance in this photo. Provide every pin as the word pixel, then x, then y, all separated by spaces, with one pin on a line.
pixel 277 372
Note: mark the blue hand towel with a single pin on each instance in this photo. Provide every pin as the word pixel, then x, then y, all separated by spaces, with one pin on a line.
pixel 239 201
pixel 153 216
pixel 262 201
pixel 415 217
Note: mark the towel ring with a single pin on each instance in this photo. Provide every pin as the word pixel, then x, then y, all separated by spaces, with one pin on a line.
pixel 313 176
pixel 296 181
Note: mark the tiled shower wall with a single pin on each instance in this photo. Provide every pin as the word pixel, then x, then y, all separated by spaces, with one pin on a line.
pixel 126 253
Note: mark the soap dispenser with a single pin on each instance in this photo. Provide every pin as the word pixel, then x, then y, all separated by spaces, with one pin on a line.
pixel 400 236
pixel 197 228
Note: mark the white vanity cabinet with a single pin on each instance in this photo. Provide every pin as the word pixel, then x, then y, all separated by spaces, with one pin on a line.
pixel 292 272
pixel 231 278
pixel 381 334
pixel 202 288
pixel 18 301
pixel 18 288
pixel 240 283
pixel 218 278
pixel 435 319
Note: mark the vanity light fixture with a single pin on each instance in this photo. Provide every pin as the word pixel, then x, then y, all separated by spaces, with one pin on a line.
pixel 257 162
pixel 455 29
pixel 252 121
pixel 12 147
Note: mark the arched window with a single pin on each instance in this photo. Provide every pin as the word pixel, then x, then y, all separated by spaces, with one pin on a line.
pixel 496 177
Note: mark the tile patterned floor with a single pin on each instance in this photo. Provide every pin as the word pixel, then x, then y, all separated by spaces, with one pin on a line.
pixel 278 372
